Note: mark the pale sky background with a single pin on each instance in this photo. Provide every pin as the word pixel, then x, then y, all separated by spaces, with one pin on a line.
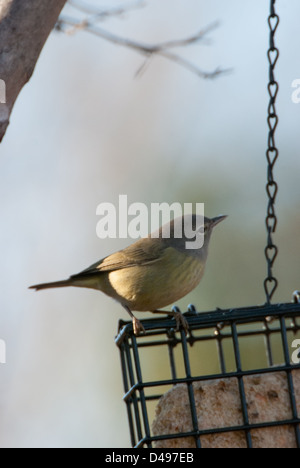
pixel 85 130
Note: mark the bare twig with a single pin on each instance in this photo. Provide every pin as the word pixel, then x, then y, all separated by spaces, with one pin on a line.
pixel 200 36
pixel 104 13
pixel 71 26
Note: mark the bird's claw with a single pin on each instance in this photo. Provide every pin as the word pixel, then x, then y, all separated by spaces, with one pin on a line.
pixel 137 327
pixel 180 320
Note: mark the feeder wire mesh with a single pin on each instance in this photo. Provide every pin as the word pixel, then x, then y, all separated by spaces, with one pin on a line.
pixel 229 332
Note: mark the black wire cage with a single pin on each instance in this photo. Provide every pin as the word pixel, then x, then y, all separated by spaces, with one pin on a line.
pixel 234 381
pixel 224 338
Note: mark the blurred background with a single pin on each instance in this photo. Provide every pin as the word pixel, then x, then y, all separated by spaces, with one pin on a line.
pixel 85 130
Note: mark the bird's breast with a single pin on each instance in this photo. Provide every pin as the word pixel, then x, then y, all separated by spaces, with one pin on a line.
pixel 159 283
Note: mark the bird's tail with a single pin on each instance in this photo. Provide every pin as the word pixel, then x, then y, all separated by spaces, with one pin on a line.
pixel 56 284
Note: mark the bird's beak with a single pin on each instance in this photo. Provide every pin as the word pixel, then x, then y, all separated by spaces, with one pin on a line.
pixel 218 219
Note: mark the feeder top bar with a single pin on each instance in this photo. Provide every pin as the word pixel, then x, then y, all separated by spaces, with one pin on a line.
pixel 211 319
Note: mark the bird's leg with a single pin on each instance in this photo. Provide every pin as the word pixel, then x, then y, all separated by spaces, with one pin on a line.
pixel 179 318
pixel 137 326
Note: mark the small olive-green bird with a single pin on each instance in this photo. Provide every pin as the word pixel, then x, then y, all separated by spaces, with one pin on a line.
pixel 151 273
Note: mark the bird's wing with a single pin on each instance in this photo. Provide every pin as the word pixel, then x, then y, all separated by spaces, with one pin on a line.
pixel 142 252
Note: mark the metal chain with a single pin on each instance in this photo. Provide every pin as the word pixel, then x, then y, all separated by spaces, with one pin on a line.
pixel 271 251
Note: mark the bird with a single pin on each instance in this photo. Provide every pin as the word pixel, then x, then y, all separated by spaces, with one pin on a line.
pixel 151 273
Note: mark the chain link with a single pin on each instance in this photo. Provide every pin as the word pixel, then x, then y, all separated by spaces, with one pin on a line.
pixel 271 250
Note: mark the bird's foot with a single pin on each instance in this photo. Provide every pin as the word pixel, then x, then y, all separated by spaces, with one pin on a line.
pixel 180 320
pixel 137 327
pixel 177 315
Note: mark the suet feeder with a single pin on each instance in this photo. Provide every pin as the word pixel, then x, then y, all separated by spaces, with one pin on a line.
pixel 237 403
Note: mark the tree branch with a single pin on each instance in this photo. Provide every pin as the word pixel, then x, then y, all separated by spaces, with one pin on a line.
pixel 26 24
pixel 105 13
pixel 24 28
pixel 71 26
